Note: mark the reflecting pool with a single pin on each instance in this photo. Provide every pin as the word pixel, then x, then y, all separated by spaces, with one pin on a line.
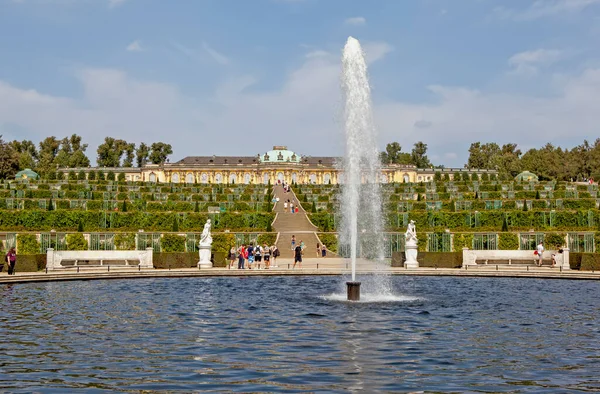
pixel 293 334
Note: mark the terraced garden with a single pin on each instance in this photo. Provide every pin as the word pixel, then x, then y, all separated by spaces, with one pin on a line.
pixel 450 215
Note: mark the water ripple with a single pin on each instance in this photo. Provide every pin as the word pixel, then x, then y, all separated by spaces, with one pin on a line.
pixel 297 334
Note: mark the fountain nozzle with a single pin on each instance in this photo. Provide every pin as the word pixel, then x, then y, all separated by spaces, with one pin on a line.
pixel 353 291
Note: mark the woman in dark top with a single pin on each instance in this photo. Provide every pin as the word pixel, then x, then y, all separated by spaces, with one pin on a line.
pixel 11 259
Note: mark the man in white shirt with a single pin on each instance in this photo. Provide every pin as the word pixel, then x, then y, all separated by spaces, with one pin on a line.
pixel 540 250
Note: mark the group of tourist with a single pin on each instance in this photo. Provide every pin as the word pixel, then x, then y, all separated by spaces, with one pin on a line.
pixel 248 256
pixel 290 204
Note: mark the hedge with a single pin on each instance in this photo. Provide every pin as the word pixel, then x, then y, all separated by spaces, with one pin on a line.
pixel 172 243
pixel 27 244
pixel 30 262
pixel 68 220
pixel 431 259
pixel 267 238
pixel 584 261
pixel 508 241
pixel 185 260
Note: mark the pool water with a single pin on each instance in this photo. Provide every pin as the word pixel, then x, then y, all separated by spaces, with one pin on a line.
pixel 296 334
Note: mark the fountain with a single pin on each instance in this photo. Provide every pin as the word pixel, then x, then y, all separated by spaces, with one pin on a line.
pixel 361 197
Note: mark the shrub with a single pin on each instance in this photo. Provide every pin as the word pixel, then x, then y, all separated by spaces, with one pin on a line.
pixel 121 177
pixel 223 242
pixel 313 208
pixel 31 262
pixel 175 260
pixel 80 226
pixel 27 244
pixel 125 241
pixel 462 241
pixel 554 240
pixel 76 242
pixel 81 175
pixel 60 175
pixel 508 241
pixel 173 243
pixel 590 262
pixel 101 176
pixel 504 224
pixel 92 175
pixel 72 176
pixel 268 238
pixel 110 176
pixel 330 240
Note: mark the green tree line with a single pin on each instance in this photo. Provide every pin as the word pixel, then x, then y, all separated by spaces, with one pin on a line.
pixel 53 153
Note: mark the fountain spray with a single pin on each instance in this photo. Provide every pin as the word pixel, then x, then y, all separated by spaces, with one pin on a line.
pixel 361 196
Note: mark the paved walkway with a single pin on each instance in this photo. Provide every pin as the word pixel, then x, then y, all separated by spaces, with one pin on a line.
pixel 298 224
pixel 311 266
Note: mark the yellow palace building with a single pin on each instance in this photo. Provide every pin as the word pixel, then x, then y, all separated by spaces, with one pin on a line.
pixel 275 166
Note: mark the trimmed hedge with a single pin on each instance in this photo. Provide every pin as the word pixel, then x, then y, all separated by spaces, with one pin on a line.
pixel 30 262
pixel 508 241
pixel 185 260
pixel 431 259
pixel 584 261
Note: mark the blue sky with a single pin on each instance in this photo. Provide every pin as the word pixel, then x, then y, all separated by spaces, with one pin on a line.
pixel 236 77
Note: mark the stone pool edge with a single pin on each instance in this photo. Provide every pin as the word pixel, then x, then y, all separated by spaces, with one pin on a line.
pixel 30 277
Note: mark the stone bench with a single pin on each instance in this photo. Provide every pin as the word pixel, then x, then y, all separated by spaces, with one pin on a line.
pixel 474 257
pixel 58 259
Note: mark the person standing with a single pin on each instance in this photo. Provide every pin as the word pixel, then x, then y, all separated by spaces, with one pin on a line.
pixel 285 206
pixel 241 257
pixel 231 257
pixel 318 250
pixel 293 242
pixel 274 254
pixel 291 207
pixel 298 256
pixel 540 252
pixel 258 256
pixel 11 259
pixel 323 251
pixel 250 252
pixel 266 256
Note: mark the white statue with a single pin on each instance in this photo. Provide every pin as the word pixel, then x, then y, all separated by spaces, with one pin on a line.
pixel 206 237
pixel 411 234
pixel 204 247
pixel 411 246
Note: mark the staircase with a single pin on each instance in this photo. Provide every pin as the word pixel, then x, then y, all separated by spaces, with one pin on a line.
pixel 288 224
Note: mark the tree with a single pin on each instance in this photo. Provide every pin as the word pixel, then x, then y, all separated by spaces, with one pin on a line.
pixel 124 206
pixel 393 155
pixel 81 175
pixel 27 153
pixel 159 152
pixel 121 177
pixel 9 160
pixel 110 176
pixel 141 154
pixel 47 153
pixel 92 175
pixel 129 155
pixel 504 224
pixel 418 156
pixel 110 152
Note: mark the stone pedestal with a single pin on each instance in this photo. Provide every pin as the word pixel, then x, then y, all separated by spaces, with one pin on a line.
pixel 204 252
pixel 353 291
pixel 411 256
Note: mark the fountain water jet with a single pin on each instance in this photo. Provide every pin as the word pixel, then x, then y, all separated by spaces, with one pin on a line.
pixel 361 196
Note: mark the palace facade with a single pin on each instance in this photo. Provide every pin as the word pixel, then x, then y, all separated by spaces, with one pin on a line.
pixel 275 166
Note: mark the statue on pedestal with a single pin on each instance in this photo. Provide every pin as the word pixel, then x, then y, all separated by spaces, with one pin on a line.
pixel 204 247
pixel 410 246
pixel 206 237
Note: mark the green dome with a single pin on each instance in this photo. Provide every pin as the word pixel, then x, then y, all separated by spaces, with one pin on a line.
pixel 280 154
pixel 526 176
pixel 27 173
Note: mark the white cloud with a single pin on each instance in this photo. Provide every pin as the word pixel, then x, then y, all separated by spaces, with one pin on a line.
pixel 115 3
pixel 545 8
pixel 356 21
pixel 529 62
pixel 302 113
pixel 375 51
pixel 217 57
pixel 135 46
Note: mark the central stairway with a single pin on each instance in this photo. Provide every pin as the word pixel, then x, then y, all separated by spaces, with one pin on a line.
pixel 298 224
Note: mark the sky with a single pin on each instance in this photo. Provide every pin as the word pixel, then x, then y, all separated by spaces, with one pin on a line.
pixel 235 77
